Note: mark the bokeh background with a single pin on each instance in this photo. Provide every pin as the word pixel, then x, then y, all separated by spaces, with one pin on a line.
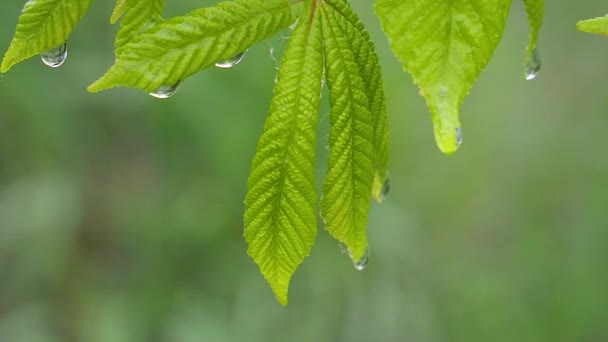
pixel 121 214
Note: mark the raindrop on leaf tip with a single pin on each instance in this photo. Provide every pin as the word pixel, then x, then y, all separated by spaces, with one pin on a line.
pixel 232 61
pixel 56 56
pixel 533 65
pixel 386 188
pixel 361 264
pixel 164 92
pixel 458 136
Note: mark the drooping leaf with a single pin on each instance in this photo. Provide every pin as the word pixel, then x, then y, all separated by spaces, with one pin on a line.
pixel 596 25
pixel 348 184
pixel 444 45
pixel 281 202
pixel 119 10
pixel 369 69
pixel 43 25
pixel 139 14
pixel 536 12
pixel 176 48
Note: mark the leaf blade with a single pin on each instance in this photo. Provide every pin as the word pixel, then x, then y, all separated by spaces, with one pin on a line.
pixel 138 14
pixel 365 56
pixel 461 34
pixel 179 47
pixel 43 25
pixel 281 202
pixel 348 184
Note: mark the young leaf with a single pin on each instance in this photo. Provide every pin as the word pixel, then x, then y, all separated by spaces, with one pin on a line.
pixel 371 74
pixel 444 45
pixel 139 13
pixel 597 25
pixel 119 10
pixel 536 11
pixel 176 48
pixel 43 25
pixel 348 184
pixel 281 203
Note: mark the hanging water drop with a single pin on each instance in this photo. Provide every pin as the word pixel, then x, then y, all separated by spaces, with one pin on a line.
pixel 164 92
pixel 232 61
pixel 361 264
pixel 386 188
pixel 458 136
pixel 533 65
pixel 55 57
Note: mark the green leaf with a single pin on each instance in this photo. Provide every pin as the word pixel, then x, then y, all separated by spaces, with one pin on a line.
pixel 597 25
pixel 371 74
pixel 140 13
pixel 281 203
pixel 174 49
pixel 536 12
pixel 444 45
pixel 43 25
pixel 119 10
pixel 348 184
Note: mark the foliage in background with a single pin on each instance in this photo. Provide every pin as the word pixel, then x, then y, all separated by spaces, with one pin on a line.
pixel 444 45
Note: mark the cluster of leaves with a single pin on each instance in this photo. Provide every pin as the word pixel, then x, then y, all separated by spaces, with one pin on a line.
pixel 443 44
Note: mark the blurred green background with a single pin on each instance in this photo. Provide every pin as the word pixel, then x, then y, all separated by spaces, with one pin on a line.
pixel 121 214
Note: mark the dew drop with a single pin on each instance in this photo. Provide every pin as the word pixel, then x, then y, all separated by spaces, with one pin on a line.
pixel 386 188
pixel 361 264
pixel 232 61
pixel 458 136
pixel 56 56
pixel 164 92
pixel 533 65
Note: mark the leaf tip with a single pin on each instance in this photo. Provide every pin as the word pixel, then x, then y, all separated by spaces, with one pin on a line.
pixel 358 251
pixel 596 25
pixel 281 297
pixel 280 288
pixel 580 25
pixel 104 83
pixel 447 136
pixel 94 88
pixel 4 68
pixel 7 64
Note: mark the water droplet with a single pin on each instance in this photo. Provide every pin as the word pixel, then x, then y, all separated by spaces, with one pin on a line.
pixel 164 92
pixel 386 188
pixel 458 136
pixel 533 65
pixel 55 57
pixel 361 264
pixel 232 61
